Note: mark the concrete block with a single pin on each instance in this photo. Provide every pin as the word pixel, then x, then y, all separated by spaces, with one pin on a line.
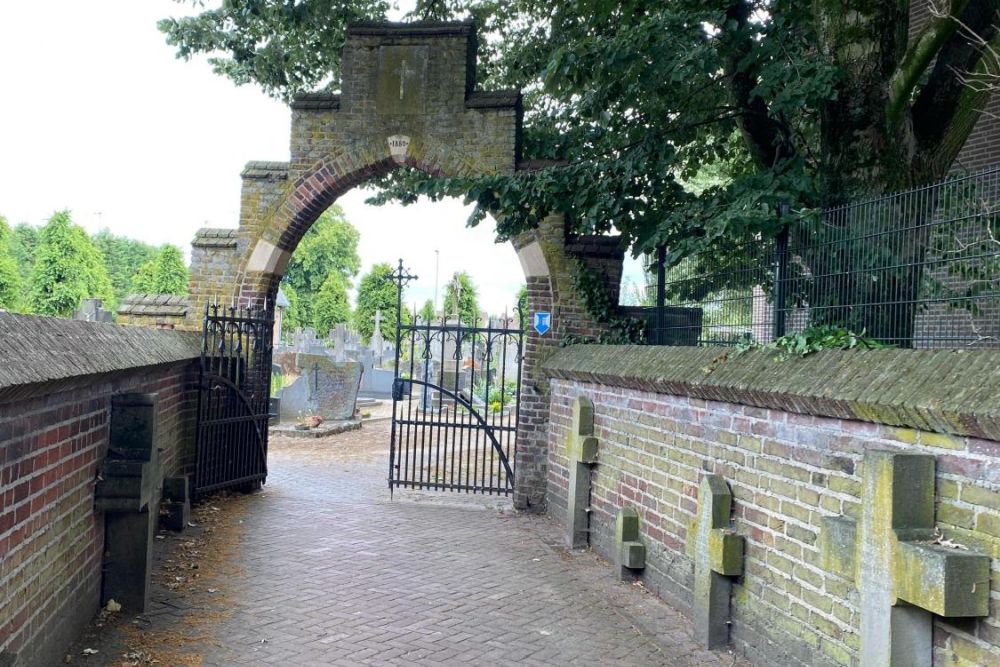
pixel 837 542
pixel 944 581
pixel 626 525
pixel 175 515
pixel 128 559
pixel 725 552
pixel 177 488
pixel 633 555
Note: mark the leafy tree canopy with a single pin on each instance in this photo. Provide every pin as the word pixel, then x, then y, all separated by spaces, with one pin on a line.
pixel 23 244
pixel 460 294
pixel 294 317
pixel 68 268
pixel 426 312
pixel 10 277
pixel 332 304
pixel 812 103
pixel 165 273
pixel 329 248
pixel 377 291
pixel 123 257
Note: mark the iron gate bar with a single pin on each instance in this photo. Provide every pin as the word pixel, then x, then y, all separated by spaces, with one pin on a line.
pixel 477 426
pixel 450 435
pixel 234 398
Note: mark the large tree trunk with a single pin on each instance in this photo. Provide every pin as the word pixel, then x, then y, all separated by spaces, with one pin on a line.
pixel 863 152
pixel 858 257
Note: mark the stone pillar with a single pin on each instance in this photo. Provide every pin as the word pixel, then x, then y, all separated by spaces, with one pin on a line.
pixel 581 450
pixel 903 579
pixel 718 555
pixel 630 553
pixel 127 493
pixel 551 271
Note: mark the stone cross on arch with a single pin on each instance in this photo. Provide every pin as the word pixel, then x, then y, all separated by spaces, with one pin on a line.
pixel 404 72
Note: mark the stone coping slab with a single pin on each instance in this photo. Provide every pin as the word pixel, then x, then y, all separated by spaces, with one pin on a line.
pixel 321 431
pixel 945 391
pixel 48 354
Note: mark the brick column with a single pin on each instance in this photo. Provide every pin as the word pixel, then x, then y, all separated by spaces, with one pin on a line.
pixel 549 259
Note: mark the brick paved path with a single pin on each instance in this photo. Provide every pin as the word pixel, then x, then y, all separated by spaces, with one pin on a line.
pixel 327 570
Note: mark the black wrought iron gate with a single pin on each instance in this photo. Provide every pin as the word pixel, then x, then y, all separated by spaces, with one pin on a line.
pixel 233 401
pixel 454 402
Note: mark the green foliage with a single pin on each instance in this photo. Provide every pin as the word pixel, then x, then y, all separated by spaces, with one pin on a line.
pixel 165 273
pixel 283 46
pixel 329 248
pixel 463 295
pixel 23 245
pixel 622 330
pixel 332 305
pixel 426 312
pixel 68 268
pixel 498 394
pixel 123 258
pixel 295 316
pixel 824 337
pixel 377 291
pixel 680 123
pixel 10 277
pixel 521 311
pixel 810 340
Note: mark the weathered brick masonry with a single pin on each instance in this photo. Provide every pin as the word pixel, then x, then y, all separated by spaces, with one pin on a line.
pixel 57 378
pixel 788 437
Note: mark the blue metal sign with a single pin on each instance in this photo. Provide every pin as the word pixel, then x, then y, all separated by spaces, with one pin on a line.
pixel 543 322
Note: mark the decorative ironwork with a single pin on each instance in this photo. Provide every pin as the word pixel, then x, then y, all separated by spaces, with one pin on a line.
pixel 234 398
pixel 919 268
pixel 455 402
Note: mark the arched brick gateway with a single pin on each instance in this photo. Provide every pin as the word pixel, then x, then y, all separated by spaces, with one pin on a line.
pixel 409 99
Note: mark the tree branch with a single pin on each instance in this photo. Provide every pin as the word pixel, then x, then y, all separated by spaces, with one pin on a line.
pixel 763 136
pixel 921 53
pixel 947 108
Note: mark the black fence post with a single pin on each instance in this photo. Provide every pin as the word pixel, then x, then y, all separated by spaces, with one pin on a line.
pixel 661 294
pixel 780 274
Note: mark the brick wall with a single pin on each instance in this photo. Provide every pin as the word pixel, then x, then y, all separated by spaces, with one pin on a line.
pixel 54 424
pixel 660 427
pixel 549 258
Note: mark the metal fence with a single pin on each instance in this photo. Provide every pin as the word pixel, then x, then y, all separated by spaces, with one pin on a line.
pixel 919 268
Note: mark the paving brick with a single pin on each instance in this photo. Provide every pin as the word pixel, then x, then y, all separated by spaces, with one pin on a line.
pixel 332 571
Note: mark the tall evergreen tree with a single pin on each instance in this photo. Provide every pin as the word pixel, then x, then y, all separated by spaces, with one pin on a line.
pixel 10 277
pixel 461 290
pixel 377 292
pixel 427 313
pixel 23 246
pixel 165 273
pixel 68 268
pixel 332 305
pixel 123 258
pixel 329 247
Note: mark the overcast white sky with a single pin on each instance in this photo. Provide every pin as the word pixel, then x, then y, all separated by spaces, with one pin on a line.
pixel 97 116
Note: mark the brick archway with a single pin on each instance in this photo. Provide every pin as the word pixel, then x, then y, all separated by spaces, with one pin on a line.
pixel 409 99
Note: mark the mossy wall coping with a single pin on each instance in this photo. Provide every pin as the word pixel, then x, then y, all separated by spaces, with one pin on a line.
pixel 40 355
pixel 947 391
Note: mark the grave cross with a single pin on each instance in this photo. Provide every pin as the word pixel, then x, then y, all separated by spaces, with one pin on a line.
pixel 404 71
pixel 718 555
pixel 903 578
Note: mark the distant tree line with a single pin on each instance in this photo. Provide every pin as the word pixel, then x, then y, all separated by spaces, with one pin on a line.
pixel 49 270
